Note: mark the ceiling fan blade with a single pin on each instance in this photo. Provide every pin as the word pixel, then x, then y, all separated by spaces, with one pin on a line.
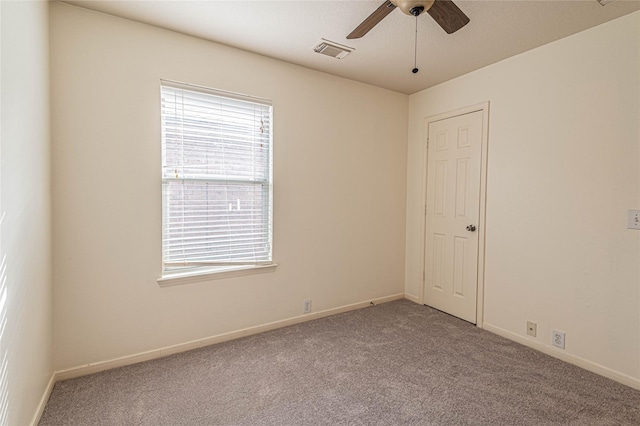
pixel 448 15
pixel 373 20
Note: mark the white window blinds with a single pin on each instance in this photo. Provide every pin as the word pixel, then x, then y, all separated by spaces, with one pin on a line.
pixel 216 178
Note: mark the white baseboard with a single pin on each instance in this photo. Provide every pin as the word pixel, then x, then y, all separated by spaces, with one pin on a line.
pixel 571 359
pixel 412 298
pixel 87 369
pixel 44 400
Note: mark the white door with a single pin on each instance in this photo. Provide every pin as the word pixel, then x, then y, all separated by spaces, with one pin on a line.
pixel 452 215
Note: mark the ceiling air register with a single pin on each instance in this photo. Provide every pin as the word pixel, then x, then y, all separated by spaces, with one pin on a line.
pixel 330 48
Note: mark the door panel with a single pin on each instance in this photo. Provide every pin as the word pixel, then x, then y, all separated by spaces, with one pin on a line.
pixel 453 203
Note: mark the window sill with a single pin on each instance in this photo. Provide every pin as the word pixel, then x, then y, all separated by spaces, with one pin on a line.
pixel 179 278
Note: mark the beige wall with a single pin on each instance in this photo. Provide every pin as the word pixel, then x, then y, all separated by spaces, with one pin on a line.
pixel 25 245
pixel 563 169
pixel 339 198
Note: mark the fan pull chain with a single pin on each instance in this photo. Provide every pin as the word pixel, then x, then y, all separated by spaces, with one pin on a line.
pixel 415 52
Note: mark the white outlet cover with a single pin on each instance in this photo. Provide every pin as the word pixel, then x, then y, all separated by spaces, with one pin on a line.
pixel 557 339
pixel 633 220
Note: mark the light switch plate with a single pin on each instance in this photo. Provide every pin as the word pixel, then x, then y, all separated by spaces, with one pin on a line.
pixel 633 222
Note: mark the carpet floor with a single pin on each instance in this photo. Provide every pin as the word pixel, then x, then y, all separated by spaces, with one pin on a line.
pixel 397 363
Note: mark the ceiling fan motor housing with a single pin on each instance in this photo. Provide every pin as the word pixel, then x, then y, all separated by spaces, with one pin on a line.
pixel 413 8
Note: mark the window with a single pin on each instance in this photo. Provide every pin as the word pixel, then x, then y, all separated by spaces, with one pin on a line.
pixel 216 180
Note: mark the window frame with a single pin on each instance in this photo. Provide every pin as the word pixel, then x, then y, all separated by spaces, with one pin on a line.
pixel 173 275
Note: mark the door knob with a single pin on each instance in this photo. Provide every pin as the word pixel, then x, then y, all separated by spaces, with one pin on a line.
pixel 471 228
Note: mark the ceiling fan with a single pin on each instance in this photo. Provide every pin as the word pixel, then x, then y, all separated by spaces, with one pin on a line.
pixel 444 12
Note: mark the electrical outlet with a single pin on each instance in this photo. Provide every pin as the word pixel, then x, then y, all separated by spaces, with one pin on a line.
pixel 557 339
pixel 307 306
pixel 633 219
pixel 532 328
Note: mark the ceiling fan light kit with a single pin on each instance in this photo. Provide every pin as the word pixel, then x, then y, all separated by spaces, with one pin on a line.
pixel 413 8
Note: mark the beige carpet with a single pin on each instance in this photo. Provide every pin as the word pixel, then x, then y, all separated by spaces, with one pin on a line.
pixel 394 364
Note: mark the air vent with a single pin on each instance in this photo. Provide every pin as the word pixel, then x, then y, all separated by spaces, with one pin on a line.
pixel 335 50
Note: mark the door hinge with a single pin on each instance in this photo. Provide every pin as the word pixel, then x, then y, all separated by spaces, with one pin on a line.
pixel 424 275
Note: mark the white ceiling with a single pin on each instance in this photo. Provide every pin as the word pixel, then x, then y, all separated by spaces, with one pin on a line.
pixel 288 30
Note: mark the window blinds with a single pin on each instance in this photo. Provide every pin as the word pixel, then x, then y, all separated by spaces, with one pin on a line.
pixel 216 172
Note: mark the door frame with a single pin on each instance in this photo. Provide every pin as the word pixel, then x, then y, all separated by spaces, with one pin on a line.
pixel 484 107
